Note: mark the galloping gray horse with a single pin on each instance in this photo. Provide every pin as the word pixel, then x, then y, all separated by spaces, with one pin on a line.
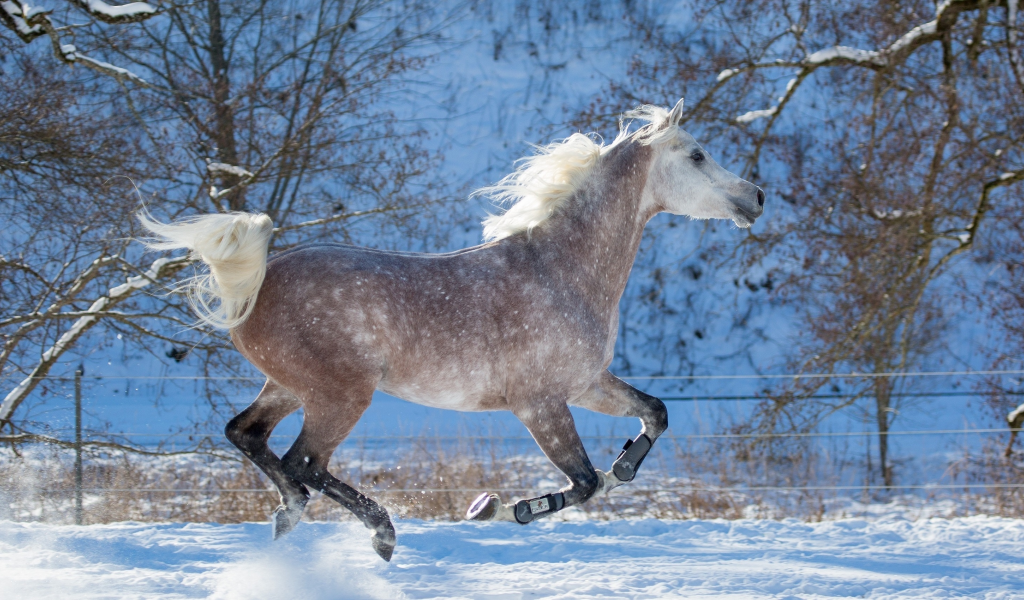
pixel 525 322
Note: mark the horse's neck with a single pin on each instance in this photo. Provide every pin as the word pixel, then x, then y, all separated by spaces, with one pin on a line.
pixel 597 240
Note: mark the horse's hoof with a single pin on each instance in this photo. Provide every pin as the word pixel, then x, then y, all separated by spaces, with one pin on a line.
pixel 284 520
pixel 484 508
pixel 383 548
pixel 488 507
pixel 384 541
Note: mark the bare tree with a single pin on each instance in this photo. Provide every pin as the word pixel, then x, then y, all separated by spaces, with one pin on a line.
pixel 294 110
pixel 30 23
pixel 888 132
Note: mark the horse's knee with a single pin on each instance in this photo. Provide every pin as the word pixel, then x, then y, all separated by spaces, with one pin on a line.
pixel 299 467
pixel 657 419
pixel 242 436
pixel 585 486
pixel 306 468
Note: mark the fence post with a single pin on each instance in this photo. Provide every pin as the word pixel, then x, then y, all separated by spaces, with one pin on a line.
pixel 78 443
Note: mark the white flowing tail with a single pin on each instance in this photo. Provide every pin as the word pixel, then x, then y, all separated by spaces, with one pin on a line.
pixel 234 246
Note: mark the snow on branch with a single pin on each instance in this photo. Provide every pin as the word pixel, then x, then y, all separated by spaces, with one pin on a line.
pixel 754 115
pixel 30 23
pixel 23 20
pixel 884 58
pixel 967 239
pixel 945 18
pixel 220 168
pixel 126 13
pixel 71 55
pixel 160 268
pixel 845 54
pixel 895 214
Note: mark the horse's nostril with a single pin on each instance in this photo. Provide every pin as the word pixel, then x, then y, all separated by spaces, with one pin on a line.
pixel 760 197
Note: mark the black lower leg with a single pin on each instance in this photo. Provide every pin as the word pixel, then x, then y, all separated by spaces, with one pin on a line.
pixel 249 432
pixel 313 472
pixel 252 441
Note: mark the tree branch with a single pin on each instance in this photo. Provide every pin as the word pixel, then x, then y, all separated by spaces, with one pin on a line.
pixel 35 438
pixel 29 24
pixel 160 268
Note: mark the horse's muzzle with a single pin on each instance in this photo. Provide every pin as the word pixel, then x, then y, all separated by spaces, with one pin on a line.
pixel 746 210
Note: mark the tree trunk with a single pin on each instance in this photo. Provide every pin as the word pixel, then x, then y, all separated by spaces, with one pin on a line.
pixel 883 408
pixel 223 112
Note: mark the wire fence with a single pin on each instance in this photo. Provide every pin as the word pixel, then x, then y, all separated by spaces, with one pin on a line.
pixel 109 440
pixel 392 441
pixel 643 489
pixel 516 438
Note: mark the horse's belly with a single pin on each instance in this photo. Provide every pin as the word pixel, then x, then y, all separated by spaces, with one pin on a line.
pixel 446 397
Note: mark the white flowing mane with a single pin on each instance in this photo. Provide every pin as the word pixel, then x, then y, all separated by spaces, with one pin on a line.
pixel 542 183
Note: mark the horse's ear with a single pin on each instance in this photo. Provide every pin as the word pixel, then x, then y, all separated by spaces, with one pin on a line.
pixel 676 114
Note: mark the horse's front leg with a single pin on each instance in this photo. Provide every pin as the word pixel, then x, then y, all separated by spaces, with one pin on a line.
pixel 552 426
pixel 612 396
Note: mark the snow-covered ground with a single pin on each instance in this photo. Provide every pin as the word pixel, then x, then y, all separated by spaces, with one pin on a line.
pixel 980 557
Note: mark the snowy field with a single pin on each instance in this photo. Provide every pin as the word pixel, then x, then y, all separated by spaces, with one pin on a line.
pixel 979 557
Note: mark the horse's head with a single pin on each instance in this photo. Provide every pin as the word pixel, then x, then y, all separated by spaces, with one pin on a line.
pixel 685 180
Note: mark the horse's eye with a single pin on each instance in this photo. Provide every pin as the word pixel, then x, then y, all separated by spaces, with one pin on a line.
pixel 697 156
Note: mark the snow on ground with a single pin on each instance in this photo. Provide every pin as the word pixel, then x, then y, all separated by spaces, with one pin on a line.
pixel 981 557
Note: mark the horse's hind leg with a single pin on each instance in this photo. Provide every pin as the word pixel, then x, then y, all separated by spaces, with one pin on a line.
pixel 250 430
pixel 327 421
pixel 612 396
pixel 554 430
